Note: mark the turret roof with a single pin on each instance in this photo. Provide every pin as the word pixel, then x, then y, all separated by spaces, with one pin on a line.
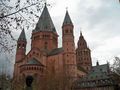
pixel 22 36
pixel 67 19
pixel 45 22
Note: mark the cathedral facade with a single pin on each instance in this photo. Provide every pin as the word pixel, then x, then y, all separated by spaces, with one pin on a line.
pixel 51 67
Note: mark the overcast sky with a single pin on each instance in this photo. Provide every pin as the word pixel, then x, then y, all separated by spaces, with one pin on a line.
pixel 99 20
pixel 100 23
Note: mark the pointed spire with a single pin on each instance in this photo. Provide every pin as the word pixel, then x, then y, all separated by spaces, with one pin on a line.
pixel 82 42
pixel 45 22
pixel 22 36
pixel 67 19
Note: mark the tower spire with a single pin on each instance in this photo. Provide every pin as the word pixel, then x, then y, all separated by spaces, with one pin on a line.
pixel 45 22
pixel 22 36
pixel 21 46
pixel 67 19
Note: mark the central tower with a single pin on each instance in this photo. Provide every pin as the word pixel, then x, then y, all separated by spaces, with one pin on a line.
pixel 45 36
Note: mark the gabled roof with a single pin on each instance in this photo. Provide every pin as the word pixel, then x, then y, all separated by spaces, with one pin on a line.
pixel 67 19
pixel 22 36
pixel 45 22
pixel 34 61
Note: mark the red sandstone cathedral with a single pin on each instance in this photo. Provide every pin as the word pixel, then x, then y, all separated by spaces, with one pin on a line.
pixel 51 67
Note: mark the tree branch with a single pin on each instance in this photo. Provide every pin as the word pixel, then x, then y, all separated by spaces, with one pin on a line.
pixel 17 11
pixel 2 3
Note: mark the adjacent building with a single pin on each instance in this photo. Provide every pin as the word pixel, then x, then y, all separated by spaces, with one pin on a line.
pixel 99 78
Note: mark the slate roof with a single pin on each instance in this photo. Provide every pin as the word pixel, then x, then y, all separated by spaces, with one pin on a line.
pixel 45 22
pixel 22 36
pixel 99 72
pixel 98 76
pixel 34 61
pixel 67 19
pixel 55 51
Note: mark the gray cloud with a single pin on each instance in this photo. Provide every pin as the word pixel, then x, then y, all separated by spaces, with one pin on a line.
pixel 100 22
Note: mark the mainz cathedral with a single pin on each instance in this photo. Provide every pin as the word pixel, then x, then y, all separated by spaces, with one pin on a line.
pixel 51 67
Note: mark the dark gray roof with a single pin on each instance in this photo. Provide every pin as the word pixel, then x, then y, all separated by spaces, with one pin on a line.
pixel 34 61
pixel 98 76
pixel 45 22
pixel 98 72
pixel 67 19
pixel 55 51
pixel 22 36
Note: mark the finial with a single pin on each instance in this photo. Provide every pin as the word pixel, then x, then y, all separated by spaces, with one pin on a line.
pixel 107 62
pixel 45 2
pixel 97 63
pixel 80 31
pixel 66 8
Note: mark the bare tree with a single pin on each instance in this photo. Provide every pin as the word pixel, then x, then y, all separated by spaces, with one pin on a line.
pixel 16 15
pixel 116 66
